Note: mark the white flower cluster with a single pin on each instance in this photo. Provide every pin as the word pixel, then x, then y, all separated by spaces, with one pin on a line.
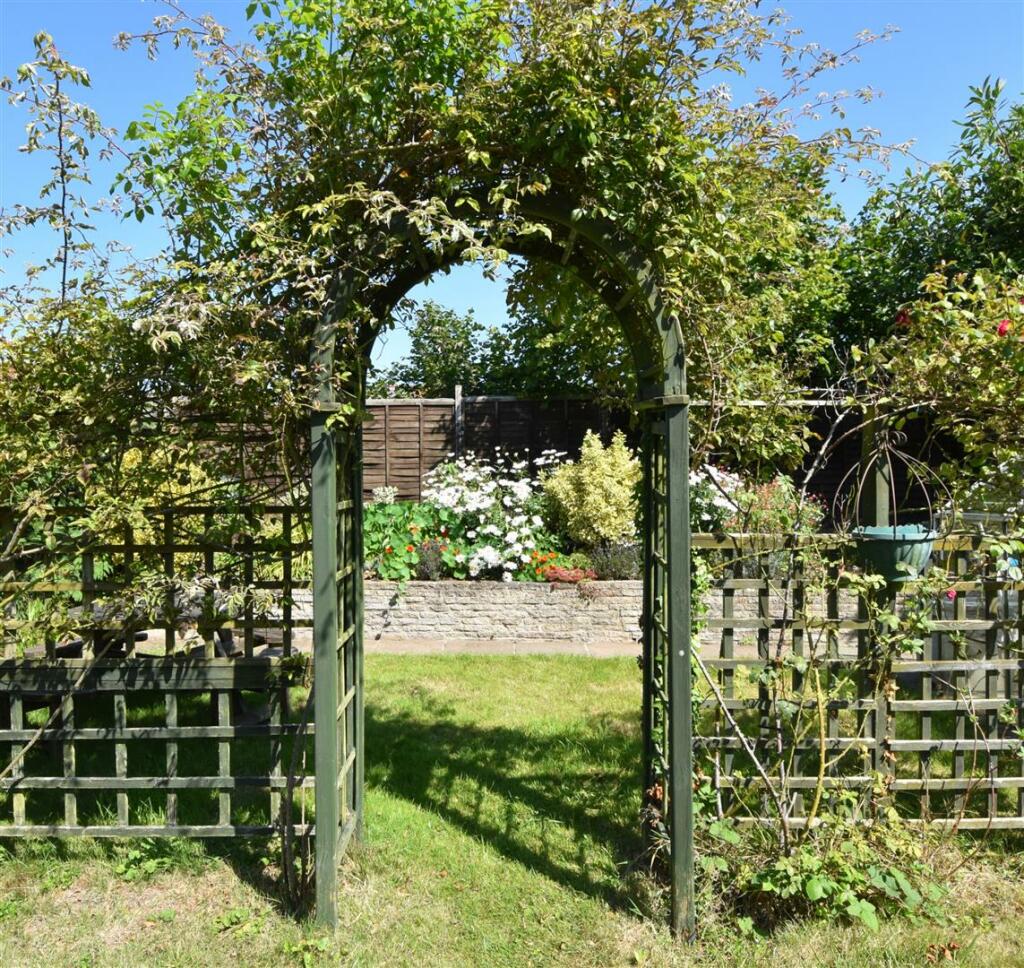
pixel 385 494
pixel 497 503
pixel 713 494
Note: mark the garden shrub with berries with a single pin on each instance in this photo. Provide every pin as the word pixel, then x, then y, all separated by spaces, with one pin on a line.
pixel 957 356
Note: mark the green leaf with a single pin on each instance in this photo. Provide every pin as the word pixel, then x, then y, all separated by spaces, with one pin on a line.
pixel 815 888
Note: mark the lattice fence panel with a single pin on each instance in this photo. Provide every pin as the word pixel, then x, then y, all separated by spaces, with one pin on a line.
pixel 166 715
pixel 934 730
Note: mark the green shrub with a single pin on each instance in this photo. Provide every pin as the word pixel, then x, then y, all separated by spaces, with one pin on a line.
pixel 392 535
pixel 578 559
pixel 842 871
pixel 594 499
pixel 616 562
pixel 775 508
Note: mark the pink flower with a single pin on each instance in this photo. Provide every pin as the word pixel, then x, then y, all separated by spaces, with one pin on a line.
pixel 1004 327
pixel 951 593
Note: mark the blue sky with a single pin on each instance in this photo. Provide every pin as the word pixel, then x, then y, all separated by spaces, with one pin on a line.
pixel 943 47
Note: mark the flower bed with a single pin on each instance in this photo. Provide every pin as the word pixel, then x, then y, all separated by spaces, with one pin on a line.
pixel 549 520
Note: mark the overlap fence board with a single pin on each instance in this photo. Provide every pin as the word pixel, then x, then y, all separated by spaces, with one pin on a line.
pixel 933 728
pixel 404 439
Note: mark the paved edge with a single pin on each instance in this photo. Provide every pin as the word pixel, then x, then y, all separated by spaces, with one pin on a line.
pixel 597 650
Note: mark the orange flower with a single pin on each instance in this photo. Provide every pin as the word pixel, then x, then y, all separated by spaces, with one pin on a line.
pixel 414 528
pixel 389 550
pixel 410 547
pixel 444 547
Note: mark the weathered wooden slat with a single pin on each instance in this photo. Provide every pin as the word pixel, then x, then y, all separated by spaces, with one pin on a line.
pixel 159 673
pixel 735 705
pixel 175 733
pixel 958 745
pixel 171 722
pixel 257 624
pixel 146 830
pixel 151 783
pixel 943 823
pixel 911 785
pixel 121 755
pixel 813 622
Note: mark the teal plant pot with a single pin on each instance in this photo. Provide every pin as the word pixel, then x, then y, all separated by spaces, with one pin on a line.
pixel 899 553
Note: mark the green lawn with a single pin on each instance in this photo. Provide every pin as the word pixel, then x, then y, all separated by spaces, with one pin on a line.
pixel 500 814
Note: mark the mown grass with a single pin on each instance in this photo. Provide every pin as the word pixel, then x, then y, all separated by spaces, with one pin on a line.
pixel 501 817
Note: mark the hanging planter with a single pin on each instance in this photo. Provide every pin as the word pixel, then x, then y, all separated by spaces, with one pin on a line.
pixel 899 553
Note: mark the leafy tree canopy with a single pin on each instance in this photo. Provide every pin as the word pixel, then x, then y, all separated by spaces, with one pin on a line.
pixel 445 349
pixel 282 177
pixel 289 166
pixel 963 215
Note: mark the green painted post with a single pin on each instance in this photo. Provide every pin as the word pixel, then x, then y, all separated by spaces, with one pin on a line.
pixel 876 489
pixel 677 419
pixel 325 662
pixel 357 645
pixel 650 593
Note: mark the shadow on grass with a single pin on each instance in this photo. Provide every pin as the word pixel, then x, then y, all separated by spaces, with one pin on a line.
pixel 562 802
pixel 559 803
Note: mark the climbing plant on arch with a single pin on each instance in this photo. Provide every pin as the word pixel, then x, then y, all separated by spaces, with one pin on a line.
pixel 356 147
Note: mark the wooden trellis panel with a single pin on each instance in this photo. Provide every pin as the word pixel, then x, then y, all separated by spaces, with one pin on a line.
pixel 109 736
pixel 941 742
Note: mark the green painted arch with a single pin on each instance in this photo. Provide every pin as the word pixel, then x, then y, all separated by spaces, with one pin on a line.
pixel 604 258
pixel 612 264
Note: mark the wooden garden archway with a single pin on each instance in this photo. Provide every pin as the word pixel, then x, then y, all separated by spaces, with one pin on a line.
pixel 614 266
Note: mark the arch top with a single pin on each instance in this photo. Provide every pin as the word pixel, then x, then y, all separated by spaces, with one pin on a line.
pixel 603 257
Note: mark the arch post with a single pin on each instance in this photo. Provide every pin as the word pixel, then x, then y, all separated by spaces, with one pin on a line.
pixel 680 667
pixel 326 750
pixel 667 651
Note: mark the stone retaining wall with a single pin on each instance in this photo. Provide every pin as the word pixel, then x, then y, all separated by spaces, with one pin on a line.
pixel 595 612
pixel 605 612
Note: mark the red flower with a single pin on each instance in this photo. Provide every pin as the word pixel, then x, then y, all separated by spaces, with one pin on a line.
pixel 389 550
pixel 1004 327
pixel 410 547
pixel 903 318
pixel 951 593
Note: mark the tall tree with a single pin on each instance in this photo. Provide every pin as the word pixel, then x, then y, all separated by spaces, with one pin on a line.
pixel 962 215
pixel 445 348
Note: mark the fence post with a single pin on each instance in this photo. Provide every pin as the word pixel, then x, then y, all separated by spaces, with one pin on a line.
pixel 457 419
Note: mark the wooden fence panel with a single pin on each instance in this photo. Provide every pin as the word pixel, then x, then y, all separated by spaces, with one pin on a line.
pixel 404 439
